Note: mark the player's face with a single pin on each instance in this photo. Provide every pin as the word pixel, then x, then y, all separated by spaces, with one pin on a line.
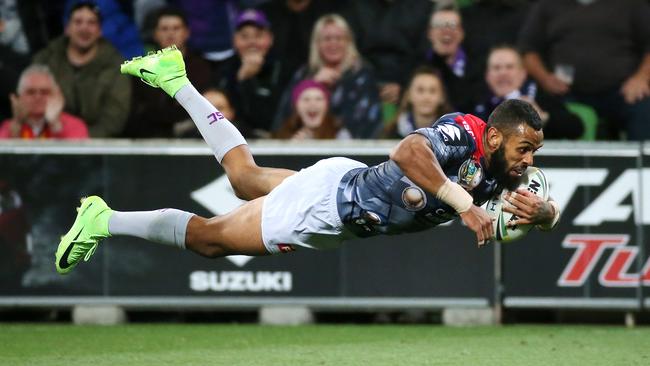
pixel 171 31
pixel 510 161
pixel 83 29
pixel 219 101
pixel 446 32
pixel 311 106
pixel 505 72
pixel 36 91
pixel 425 94
pixel 332 44
pixel 251 39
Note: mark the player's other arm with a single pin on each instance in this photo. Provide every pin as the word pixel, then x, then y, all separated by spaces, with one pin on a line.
pixel 415 157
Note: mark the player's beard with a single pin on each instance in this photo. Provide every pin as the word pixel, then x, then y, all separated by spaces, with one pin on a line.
pixel 499 170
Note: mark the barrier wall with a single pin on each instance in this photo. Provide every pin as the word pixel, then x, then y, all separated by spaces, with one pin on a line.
pixel 596 257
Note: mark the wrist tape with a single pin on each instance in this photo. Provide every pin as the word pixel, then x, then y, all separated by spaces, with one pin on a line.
pixel 455 196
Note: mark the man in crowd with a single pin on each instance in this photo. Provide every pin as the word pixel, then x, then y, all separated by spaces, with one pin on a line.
pixel 37 110
pixel 507 79
pixel 595 52
pixel 153 115
pixel 252 77
pixel 85 65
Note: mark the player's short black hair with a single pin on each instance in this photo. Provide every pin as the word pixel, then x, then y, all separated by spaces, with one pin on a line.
pixel 170 11
pixel 90 5
pixel 513 112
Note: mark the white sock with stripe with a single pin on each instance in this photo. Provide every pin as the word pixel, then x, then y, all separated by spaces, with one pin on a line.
pixel 216 130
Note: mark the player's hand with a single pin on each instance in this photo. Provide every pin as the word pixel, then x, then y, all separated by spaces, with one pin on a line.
pixel 53 109
pixel 554 85
pixel 529 208
pixel 635 88
pixel 479 222
pixel 251 64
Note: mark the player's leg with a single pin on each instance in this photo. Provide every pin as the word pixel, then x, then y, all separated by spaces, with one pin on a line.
pixel 229 147
pixel 166 69
pixel 239 232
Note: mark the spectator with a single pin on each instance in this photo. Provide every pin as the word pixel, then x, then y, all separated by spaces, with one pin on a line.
pixel 291 23
pixel 507 79
pixel 595 52
pixel 462 76
pixel 37 110
pixel 311 118
pixel 422 104
pixel 154 114
pixel 252 76
pixel 118 26
pixel 335 62
pixel 87 69
pixel 389 35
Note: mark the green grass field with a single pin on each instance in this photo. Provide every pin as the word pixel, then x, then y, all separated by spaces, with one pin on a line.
pixel 218 344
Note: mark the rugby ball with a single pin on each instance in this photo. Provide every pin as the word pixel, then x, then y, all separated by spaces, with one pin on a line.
pixel 532 180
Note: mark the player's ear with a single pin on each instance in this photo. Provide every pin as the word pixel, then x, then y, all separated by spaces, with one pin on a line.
pixel 494 138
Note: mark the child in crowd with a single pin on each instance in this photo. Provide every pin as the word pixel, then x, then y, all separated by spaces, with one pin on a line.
pixel 311 117
pixel 422 104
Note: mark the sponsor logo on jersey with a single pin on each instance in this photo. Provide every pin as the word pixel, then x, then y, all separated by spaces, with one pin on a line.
pixel 450 133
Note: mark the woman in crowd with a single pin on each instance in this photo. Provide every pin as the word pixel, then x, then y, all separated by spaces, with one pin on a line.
pixel 334 61
pixel 311 118
pixel 424 101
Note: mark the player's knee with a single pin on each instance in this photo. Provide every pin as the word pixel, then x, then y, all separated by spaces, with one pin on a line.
pixel 212 251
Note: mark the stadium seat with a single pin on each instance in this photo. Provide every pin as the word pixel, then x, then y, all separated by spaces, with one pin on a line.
pixel 589 119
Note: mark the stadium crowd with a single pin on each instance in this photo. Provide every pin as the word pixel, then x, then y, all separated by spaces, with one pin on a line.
pixel 325 69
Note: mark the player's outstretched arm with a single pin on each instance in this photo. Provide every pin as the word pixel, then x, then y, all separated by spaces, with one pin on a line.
pixel 417 161
pixel 532 209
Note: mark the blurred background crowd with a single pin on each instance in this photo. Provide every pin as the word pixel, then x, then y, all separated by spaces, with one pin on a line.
pixel 325 69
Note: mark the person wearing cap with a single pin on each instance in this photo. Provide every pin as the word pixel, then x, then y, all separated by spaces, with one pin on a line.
pixel 311 117
pixel 86 66
pixel 252 75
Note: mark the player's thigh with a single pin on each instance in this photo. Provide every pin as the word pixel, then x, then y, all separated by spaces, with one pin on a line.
pixel 247 178
pixel 240 231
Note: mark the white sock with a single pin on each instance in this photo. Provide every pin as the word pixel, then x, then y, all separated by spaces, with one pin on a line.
pixel 166 226
pixel 216 130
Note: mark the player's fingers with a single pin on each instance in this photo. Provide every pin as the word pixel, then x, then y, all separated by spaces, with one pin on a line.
pixel 524 192
pixel 518 198
pixel 520 213
pixel 519 221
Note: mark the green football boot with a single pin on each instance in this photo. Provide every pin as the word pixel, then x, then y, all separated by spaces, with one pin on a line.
pixel 90 226
pixel 163 69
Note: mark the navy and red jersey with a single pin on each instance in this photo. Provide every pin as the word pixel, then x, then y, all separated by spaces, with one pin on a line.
pixel 382 200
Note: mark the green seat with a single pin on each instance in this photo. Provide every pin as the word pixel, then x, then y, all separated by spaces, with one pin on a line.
pixel 589 119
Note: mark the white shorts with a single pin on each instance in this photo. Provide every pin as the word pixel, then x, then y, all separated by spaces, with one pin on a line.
pixel 302 209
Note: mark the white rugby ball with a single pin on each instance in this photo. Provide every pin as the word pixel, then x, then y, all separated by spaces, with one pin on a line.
pixel 535 182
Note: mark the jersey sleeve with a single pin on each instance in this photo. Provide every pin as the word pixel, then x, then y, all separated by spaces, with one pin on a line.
pixel 450 143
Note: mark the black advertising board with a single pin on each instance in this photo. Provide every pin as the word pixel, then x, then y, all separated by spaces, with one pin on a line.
pixel 592 259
